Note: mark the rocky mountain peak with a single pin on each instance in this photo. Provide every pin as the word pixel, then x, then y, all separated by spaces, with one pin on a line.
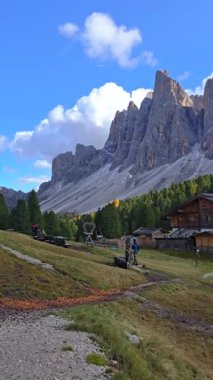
pixel 112 141
pixel 167 91
pixel 61 165
pixel 208 119
pixel 171 126
pixel 132 107
pixel 168 127
pixel 84 150
pixel 119 126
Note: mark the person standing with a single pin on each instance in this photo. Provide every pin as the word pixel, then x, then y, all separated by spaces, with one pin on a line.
pixel 127 248
pixel 135 249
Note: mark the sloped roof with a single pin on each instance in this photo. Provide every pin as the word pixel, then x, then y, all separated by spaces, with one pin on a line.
pixel 209 233
pixel 207 196
pixel 146 231
pixel 183 232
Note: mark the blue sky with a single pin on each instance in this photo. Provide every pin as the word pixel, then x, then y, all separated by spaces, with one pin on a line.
pixel 67 66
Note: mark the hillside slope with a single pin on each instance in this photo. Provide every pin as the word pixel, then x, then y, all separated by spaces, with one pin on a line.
pixel 104 185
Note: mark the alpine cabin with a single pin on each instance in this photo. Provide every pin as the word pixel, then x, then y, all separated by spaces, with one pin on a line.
pixel 196 214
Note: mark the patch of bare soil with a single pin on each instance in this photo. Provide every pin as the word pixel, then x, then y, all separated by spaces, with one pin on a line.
pixel 95 297
pixel 173 315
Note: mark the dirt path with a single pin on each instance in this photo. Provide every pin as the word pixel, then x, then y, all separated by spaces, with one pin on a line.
pixel 33 342
pixel 96 297
pixel 27 258
pixel 12 306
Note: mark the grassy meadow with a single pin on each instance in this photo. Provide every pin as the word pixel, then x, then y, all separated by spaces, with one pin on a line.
pixel 166 349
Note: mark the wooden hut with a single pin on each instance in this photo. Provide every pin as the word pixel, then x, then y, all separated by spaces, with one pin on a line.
pixel 198 213
pixel 146 236
pixel 204 241
pixel 193 220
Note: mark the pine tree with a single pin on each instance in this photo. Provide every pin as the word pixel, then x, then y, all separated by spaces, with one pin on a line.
pixel 4 214
pixel 143 216
pixel 110 222
pixel 19 218
pixel 51 223
pixel 34 210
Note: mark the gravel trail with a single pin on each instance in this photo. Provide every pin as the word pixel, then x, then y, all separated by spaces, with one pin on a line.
pixel 27 258
pixel 31 348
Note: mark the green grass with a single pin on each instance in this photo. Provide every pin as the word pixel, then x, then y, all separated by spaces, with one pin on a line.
pixel 100 320
pixel 19 279
pixel 194 299
pixel 166 350
pixel 120 376
pixel 76 272
pixel 97 359
pixel 176 264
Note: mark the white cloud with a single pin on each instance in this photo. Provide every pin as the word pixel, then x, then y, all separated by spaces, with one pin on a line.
pixel 42 164
pixel 24 137
pixel 199 90
pixel 103 39
pixel 149 58
pixel 68 29
pixel 138 95
pixel 34 180
pixel 183 76
pixel 3 143
pixel 88 122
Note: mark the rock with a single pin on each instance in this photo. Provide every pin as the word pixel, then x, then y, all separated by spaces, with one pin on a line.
pixel 197 102
pixel 140 126
pixel 171 129
pixel 61 167
pixel 125 125
pixel 208 275
pixel 134 339
pixel 208 119
pixel 114 363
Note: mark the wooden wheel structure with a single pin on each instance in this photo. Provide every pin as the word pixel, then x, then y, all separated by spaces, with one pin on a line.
pixel 89 228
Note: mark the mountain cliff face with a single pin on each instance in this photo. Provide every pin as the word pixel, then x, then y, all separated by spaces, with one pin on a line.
pixel 208 119
pixel 169 127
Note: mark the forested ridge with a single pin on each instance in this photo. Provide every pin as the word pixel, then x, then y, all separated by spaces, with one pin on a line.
pixel 113 220
pixel 147 210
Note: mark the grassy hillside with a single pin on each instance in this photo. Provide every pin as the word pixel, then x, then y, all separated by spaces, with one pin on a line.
pixel 170 319
pixel 75 272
